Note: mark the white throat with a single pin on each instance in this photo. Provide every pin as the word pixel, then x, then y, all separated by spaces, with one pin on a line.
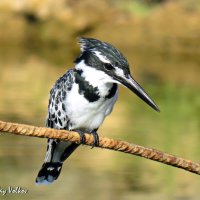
pixel 95 77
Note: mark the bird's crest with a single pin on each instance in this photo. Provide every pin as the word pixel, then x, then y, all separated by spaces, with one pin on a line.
pixel 89 44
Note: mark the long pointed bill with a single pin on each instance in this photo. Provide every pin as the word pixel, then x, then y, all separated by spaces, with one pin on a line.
pixel 138 90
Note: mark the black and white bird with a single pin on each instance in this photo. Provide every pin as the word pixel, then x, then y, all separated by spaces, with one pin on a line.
pixel 82 98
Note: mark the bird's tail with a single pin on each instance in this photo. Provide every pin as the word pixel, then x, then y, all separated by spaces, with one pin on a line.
pixel 48 173
pixel 57 152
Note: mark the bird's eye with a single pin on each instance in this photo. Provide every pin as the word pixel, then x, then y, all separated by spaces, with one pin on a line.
pixel 116 63
pixel 108 66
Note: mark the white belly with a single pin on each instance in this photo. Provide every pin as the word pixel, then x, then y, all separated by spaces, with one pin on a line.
pixel 87 115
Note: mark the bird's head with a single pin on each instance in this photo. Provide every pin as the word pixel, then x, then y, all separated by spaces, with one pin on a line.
pixel 112 65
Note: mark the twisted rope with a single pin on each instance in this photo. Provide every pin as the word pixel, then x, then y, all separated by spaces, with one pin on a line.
pixel 107 143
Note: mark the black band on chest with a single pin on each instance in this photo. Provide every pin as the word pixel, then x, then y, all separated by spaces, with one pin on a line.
pixel 112 91
pixel 88 91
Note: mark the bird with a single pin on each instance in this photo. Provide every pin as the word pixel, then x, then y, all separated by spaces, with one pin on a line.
pixel 82 98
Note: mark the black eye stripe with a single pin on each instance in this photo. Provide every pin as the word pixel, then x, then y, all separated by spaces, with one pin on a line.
pixel 108 66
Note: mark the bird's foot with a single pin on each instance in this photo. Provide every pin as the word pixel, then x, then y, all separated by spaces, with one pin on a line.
pixel 82 135
pixel 83 139
pixel 96 139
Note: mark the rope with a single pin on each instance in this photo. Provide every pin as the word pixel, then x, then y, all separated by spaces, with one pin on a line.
pixel 106 143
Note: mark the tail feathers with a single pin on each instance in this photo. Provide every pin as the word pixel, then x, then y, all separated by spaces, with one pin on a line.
pixel 57 153
pixel 49 172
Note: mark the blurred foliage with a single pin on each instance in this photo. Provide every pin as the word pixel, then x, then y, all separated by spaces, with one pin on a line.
pixel 167 27
pixel 153 1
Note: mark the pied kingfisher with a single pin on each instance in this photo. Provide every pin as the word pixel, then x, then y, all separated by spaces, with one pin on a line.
pixel 82 98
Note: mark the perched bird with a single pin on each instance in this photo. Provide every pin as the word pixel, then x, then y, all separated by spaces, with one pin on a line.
pixel 82 98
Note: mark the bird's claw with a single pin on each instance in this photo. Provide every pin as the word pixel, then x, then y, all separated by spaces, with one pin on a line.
pixel 82 136
pixel 96 139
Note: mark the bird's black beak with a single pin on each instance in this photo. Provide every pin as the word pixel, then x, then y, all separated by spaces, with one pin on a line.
pixel 138 90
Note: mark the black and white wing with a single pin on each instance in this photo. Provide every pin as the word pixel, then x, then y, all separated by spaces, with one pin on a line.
pixel 57 112
pixel 57 151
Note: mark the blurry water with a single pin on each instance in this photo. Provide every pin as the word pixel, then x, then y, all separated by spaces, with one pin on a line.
pixel 25 80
